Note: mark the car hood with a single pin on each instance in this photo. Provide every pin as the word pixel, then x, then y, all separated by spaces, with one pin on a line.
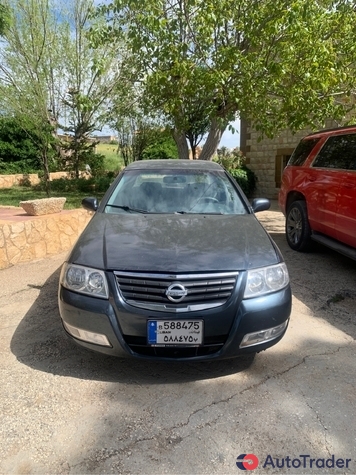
pixel 174 243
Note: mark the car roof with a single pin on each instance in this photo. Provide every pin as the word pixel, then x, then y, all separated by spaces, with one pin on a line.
pixel 336 130
pixel 173 165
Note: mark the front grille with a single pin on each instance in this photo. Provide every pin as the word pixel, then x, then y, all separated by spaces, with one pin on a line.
pixel 202 290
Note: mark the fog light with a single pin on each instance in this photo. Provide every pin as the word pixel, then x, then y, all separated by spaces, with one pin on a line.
pixel 85 335
pixel 263 336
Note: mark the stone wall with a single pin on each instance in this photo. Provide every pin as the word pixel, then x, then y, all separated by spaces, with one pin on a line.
pixel 7 181
pixel 261 158
pixel 26 238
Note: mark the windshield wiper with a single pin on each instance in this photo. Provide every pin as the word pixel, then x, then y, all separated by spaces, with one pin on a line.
pixel 127 208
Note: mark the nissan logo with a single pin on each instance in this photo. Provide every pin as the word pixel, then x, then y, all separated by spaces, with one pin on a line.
pixel 176 292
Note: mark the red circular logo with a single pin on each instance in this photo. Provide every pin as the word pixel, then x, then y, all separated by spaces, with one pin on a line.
pixel 247 462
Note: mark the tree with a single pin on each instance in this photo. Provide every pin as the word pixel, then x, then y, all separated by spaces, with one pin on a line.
pixel 93 76
pixel 278 63
pixel 30 72
pixel 50 74
pixel 4 19
pixel 142 139
pixel 196 127
pixel 160 146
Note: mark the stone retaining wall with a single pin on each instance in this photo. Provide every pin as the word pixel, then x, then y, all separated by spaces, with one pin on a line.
pixel 7 181
pixel 26 238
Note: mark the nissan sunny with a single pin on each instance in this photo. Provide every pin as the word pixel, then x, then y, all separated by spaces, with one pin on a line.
pixel 175 265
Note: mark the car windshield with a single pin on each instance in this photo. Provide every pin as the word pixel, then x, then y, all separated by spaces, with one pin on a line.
pixel 175 191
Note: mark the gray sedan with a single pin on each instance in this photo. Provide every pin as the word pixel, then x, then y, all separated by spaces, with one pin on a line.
pixel 175 265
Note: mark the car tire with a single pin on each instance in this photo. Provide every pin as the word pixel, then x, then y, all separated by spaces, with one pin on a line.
pixel 298 230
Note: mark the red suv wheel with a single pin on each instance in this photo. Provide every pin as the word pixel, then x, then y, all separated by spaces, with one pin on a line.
pixel 297 226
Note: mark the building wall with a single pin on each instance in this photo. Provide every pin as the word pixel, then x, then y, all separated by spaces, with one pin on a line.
pixel 268 157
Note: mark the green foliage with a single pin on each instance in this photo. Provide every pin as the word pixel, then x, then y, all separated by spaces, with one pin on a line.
pixel 4 19
pixel 278 63
pixel 95 161
pixel 80 152
pixel 96 76
pixel 113 160
pixel 142 138
pixel 246 178
pixel 163 147
pixel 79 185
pixel 51 73
pixel 19 167
pixel 234 162
pixel 19 152
pixel 230 159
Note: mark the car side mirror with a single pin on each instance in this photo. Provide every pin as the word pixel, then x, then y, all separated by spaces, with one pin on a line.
pixel 260 204
pixel 90 204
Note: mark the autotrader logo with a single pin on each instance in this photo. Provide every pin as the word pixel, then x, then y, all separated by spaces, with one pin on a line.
pixel 304 461
pixel 247 462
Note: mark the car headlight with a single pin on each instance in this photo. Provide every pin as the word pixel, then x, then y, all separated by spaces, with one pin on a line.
pixel 84 280
pixel 266 280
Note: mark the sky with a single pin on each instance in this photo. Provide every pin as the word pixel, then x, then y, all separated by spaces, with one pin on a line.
pixel 229 139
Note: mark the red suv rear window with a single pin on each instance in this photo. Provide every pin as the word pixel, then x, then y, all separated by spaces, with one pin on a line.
pixel 338 152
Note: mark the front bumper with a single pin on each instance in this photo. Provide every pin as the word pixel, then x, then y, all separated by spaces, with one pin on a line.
pixel 125 326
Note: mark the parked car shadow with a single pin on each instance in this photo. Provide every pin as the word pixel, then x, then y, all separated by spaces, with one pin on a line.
pixel 41 343
pixel 324 280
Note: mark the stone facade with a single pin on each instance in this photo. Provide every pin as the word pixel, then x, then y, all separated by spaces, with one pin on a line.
pixel 268 157
pixel 25 238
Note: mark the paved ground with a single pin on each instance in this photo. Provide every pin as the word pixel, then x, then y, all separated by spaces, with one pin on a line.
pixel 65 410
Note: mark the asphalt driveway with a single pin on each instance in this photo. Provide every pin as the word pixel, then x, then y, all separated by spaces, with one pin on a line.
pixel 66 410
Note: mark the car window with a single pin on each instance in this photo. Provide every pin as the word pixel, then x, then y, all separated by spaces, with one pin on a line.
pixel 175 191
pixel 302 152
pixel 338 152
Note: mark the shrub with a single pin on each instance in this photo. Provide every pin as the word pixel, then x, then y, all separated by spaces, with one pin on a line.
pixel 19 167
pixel 160 145
pixel 246 178
pixel 234 162
pixel 82 185
pixel 96 163
pixel 19 150
pixel 230 159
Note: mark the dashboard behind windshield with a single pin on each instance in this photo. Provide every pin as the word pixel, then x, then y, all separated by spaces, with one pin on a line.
pixel 175 191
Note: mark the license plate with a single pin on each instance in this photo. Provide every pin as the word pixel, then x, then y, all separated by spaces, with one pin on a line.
pixel 175 332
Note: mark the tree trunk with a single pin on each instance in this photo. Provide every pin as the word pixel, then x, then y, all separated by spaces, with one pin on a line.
pixel 213 140
pixel 181 141
pixel 193 149
pixel 46 174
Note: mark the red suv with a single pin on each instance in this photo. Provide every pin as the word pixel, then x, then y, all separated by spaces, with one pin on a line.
pixel 318 191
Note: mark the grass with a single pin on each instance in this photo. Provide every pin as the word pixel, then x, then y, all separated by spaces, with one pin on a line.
pixel 12 196
pixel 113 162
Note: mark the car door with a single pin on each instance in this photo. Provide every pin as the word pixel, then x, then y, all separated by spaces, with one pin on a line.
pixel 322 184
pixel 345 223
